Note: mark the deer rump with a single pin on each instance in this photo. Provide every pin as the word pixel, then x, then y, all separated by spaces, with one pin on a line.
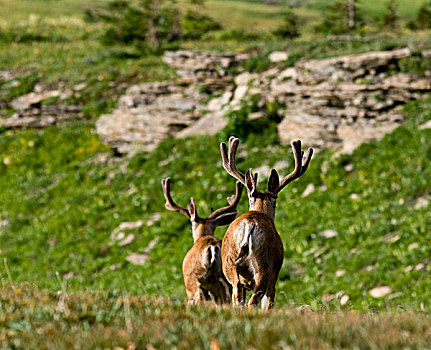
pixel 202 268
pixel 251 247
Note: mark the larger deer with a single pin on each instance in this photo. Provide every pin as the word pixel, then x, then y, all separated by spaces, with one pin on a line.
pixel 252 250
pixel 202 269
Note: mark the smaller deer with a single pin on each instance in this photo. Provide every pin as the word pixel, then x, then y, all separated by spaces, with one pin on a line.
pixel 202 270
pixel 252 250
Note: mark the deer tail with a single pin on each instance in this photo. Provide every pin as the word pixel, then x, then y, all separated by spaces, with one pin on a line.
pixel 246 244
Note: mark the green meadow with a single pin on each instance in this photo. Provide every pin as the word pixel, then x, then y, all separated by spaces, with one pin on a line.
pixel 66 284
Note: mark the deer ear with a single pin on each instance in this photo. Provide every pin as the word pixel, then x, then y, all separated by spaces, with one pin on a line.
pixel 192 210
pixel 225 219
pixel 273 181
pixel 250 183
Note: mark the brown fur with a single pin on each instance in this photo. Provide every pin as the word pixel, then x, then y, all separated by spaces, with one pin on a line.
pixel 200 279
pixel 252 250
pixel 202 266
pixel 257 271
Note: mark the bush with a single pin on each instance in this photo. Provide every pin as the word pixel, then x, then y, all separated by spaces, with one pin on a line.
pixel 423 18
pixel 337 20
pixel 194 25
pixel 26 85
pixel 236 35
pixel 256 64
pixel 290 27
pixel 242 126
pixel 27 34
pixel 390 19
pixel 149 26
pixel 415 64
pixel 128 27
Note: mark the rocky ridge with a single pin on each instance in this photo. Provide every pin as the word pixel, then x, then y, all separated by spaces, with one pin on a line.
pixel 150 112
pixel 30 111
pixel 333 103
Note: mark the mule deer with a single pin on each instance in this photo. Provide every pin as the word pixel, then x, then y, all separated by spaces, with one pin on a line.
pixel 202 269
pixel 252 250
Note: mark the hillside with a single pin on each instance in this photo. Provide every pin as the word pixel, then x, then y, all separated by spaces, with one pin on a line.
pixel 64 197
pixel 89 251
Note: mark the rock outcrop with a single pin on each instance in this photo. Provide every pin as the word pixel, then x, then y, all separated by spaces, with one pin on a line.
pixel 149 113
pixel 333 103
pixel 339 102
pixel 342 102
pixel 208 69
pixel 31 112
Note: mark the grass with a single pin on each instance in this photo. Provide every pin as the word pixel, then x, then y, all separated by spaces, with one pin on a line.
pixel 62 194
pixel 62 203
pixel 243 14
pixel 103 320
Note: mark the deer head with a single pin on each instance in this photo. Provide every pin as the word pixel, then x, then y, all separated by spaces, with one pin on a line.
pixel 204 226
pixel 264 202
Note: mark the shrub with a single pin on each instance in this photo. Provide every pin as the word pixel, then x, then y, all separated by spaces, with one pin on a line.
pixel 242 126
pixel 337 20
pixel 27 34
pixel 237 35
pixel 194 25
pixel 149 26
pixel 26 85
pixel 256 64
pixel 128 27
pixel 290 27
pixel 423 18
pixel 390 19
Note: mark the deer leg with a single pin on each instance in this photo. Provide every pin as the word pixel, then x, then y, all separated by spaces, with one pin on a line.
pixel 269 298
pixel 223 293
pixel 259 291
pixel 197 298
pixel 238 294
pixel 206 294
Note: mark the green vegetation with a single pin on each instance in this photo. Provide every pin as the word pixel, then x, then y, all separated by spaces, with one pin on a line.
pixel 101 320
pixel 24 85
pixel 423 18
pixel 63 193
pixel 263 129
pixel 62 203
pixel 336 19
pixel 290 27
pixel 390 19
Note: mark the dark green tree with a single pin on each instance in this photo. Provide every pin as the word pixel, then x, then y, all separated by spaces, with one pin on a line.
pixel 391 18
pixel 195 24
pixel 290 27
pixel 423 18
pixel 153 25
pixel 340 18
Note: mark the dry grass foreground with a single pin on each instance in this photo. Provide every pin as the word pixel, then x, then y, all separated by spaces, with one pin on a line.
pixel 100 320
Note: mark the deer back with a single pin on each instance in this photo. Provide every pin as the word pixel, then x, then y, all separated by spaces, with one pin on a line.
pixel 251 246
pixel 202 263
pixel 202 270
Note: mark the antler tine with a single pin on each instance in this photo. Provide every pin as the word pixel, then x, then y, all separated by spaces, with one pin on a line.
pixel 307 161
pixel 232 200
pixel 300 167
pixel 170 204
pixel 229 160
